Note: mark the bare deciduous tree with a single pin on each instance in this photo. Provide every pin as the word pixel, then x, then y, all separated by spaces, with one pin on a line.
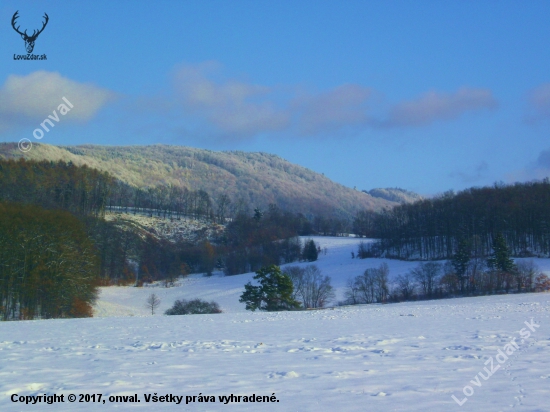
pixel 371 287
pixel 525 275
pixel 406 286
pixel 427 275
pixel 295 273
pixel 365 284
pixel 381 289
pixel 153 302
pixel 310 287
pixel 222 202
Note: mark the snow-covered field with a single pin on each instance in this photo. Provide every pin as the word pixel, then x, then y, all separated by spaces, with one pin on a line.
pixel 399 357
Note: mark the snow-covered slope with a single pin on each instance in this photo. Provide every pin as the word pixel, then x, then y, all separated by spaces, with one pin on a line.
pixel 336 263
pixel 402 357
pixel 334 260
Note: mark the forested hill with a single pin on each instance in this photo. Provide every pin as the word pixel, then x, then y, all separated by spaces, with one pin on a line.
pixel 257 178
pixel 395 195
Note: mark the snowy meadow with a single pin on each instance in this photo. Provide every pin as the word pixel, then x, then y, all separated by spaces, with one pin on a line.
pixel 487 353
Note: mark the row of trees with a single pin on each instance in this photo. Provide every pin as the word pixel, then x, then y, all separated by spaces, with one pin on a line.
pixel 304 287
pixel 460 276
pixel 80 190
pixel 433 228
pixel 167 200
pixel 175 201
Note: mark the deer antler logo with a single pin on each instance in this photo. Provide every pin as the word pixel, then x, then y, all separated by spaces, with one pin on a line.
pixel 29 40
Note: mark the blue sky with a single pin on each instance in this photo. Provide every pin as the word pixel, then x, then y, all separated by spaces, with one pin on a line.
pixel 424 95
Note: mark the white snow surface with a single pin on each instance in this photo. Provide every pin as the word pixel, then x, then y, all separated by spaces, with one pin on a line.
pixel 410 356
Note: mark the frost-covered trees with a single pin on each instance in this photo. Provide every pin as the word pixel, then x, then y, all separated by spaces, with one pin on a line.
pixel 223 202
pixel 310 287
pixel 274 292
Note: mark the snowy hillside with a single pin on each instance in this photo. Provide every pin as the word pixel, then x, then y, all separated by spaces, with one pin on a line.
pixel 336 263
pixel 401 357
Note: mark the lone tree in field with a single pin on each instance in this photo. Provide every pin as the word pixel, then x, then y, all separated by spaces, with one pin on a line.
pixel 274 292
pixel 310 252
pixel 153 302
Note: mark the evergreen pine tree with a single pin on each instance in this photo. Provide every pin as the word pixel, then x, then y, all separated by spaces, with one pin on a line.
pixel 460 261
pixel 274 292
pixel 310 252
pixel 500 258
pixel 258 214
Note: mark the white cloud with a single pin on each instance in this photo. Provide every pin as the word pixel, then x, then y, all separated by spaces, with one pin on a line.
pixel 342 107
pixel 241 109
pixel 219 106
pixel 434 106
pixel 37 95
pixel 233 107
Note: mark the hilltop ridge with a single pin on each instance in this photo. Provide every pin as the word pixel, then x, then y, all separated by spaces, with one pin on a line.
pixel 257 178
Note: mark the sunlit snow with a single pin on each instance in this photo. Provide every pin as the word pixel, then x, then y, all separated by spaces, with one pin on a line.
pixel 398 357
